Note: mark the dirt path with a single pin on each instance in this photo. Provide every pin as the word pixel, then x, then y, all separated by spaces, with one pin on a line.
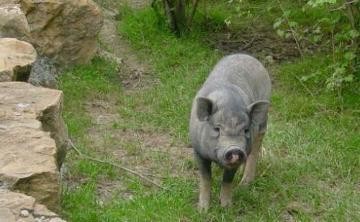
pixel 134 73
pixel 143 149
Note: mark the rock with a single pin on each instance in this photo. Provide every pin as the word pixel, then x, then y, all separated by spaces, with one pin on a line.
pixel 43 73
pixel 13 22
pixel 56 219
pixel 15 207
pixel 16 58
pixel 24 213
pixel 33 140
pixel 269 59
pixel 41 210
pixel 110 57
pixel 6 215
pixel 4 2
pixel 64 30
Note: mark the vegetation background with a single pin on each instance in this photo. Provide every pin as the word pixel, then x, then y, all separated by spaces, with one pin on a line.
pixel 135 114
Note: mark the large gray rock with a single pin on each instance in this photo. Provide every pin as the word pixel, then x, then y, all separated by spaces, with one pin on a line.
pixel 43 73
pixel 16 59
pixel 33 141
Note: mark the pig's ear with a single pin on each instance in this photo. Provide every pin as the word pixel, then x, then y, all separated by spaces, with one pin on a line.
pixel 205 107
pixel 258 111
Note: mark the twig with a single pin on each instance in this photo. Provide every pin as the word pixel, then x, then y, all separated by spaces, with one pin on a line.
pixel 351 2
pixel 248 44
pixel 343 6
pixel 265 171
pixel 305 87
pixel 155 176
pixel 293 33
pixel 193 12
pixel 231 41
pixel 115 165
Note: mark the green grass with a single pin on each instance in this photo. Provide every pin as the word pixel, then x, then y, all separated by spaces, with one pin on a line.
pixel 311 164
pixel 82 83
pixel 180 64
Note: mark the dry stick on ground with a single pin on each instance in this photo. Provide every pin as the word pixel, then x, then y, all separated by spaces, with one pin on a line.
pixel 115 165
pixel 248 44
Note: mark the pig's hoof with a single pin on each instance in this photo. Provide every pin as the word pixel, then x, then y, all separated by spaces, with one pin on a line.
pixel 203 208
pixel 225 202
pixel 245 181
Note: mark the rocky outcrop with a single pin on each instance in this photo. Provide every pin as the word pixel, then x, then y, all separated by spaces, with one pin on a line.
pixel 13 22
pixel 63 30
pixel 33 141
pixel 16 58
pixel 15 207
pixel 3 2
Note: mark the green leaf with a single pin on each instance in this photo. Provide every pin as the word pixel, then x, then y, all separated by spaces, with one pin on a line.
pixel 349 78
pixel 293 24
pixel 287 13
pixel 354 33
pixel 281 33
pixel 277 23
pixel 317 3
pixel 339 71
pixel 349 56
pixel 317 38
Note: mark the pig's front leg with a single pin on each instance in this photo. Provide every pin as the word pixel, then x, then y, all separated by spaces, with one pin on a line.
pixel 205 183
pixel 226 187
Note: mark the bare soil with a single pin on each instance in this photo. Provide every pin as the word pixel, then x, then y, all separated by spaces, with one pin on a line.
pixel 134 73
pixel 260 41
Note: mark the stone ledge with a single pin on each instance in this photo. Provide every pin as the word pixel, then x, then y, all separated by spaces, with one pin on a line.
pixel 33 141
pixel 16 59
pixel 20 207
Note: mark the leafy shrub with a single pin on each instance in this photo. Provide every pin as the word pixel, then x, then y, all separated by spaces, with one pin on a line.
pixel 337 27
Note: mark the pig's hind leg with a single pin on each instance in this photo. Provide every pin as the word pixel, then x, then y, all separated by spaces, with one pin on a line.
pixel 250 166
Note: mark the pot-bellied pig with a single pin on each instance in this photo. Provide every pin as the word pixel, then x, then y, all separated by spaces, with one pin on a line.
pixel 228 122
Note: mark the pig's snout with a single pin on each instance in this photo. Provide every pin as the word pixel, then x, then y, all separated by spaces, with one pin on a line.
pixel 235 155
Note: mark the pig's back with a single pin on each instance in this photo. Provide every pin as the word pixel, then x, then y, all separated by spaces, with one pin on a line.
pixel 243 71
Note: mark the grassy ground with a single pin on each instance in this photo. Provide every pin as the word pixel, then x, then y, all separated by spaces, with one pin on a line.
pixel 310 169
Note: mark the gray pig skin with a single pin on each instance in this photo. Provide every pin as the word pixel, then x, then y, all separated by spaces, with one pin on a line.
pixel 228 121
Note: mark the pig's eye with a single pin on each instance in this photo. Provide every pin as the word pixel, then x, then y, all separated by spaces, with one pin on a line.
pixel 216 131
